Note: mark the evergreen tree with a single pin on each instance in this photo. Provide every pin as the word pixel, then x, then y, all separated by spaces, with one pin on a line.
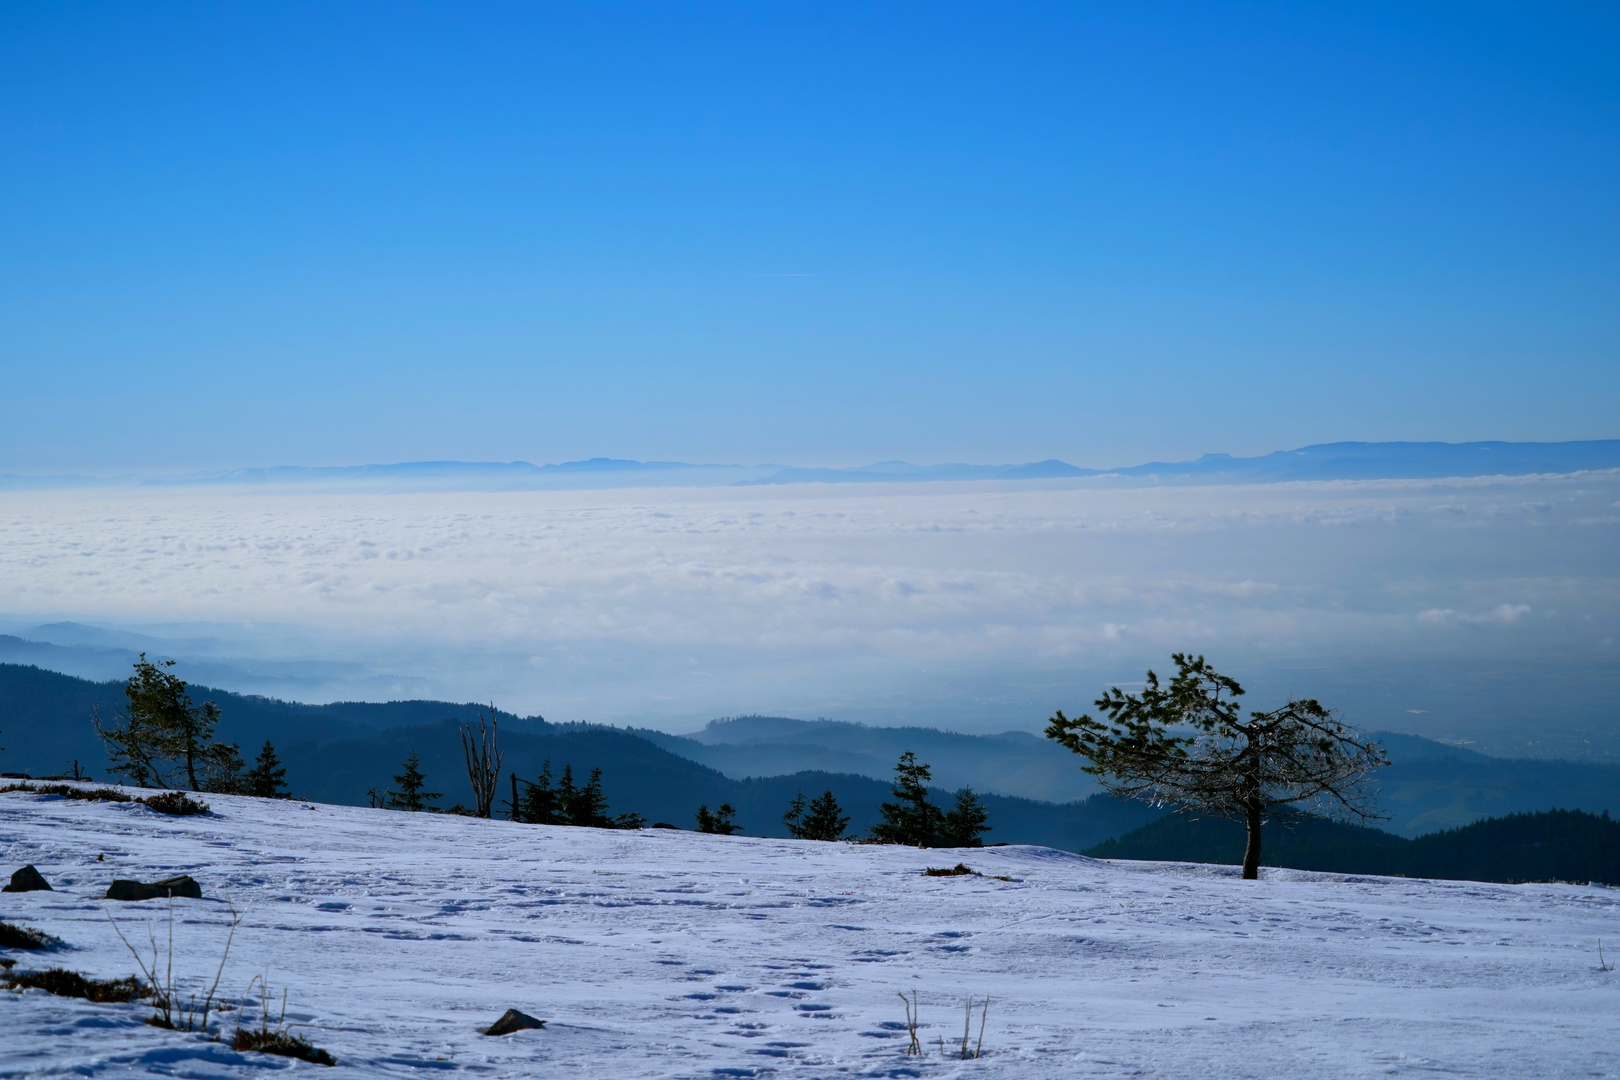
pixel 722 822
pixel 794 818
pixel 567 796
pixel 161 731
pixel 1188 745
pixel 911 819
pixel 540 804
pixel 193 741
pixel 824 821
pixel 628 821
pixel 965 824
pixel 267 778
pixel 571 804
pixel 589 806
pixel 411 795
pixel 223 773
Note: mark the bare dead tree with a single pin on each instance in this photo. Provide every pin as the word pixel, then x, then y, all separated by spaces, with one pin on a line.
pixel 483 760
pixel 1188 746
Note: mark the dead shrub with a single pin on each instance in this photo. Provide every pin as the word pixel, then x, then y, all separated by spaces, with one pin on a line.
pixel 171 1011
pixel 959 870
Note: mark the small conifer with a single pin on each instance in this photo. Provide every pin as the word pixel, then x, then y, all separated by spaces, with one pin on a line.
pixel 411 781
pixel 965 824
pixel 825 821
pixel 722 822
pixel 539 802
pixel 911 818
pixel 794 818
pixel 267 778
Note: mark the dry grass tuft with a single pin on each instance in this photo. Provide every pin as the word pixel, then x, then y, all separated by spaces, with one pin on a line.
pixel 170 802
pixel 274 1041
pixel 959 870
pixel 68 791
pixel 13 936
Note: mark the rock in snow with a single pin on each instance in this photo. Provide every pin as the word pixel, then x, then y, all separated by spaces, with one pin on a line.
pixel 668 954
pixel 512 1020
pixel 136 890
pixel 27 879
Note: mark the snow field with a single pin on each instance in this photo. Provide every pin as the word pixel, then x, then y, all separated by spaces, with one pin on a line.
pixel 675 955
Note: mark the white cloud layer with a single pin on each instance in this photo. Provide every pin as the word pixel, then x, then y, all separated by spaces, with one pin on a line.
pixel 869 603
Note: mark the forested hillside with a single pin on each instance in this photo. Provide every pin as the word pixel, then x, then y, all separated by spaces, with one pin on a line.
pixel 1555 845
pixel 339 752
pixel 336 753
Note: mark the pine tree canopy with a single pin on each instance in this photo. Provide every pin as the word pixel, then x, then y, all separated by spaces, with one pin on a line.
pixel 825 820
pixel 965 825
pixel 722 822
pixel 161 734
pixel 911 818
pixel 412 784
pixel 1188 745
pixel 267 778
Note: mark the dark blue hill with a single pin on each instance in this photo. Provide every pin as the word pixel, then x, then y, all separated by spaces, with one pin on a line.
pixel 1553 845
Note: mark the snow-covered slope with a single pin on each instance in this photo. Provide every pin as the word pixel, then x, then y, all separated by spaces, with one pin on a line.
pixel 669 954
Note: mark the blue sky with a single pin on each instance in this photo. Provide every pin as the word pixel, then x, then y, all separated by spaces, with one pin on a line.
pixel 236 234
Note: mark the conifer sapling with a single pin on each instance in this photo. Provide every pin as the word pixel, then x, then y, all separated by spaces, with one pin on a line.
pixel 411 794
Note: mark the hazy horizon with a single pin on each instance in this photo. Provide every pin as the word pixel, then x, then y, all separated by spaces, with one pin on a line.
pixel 969 606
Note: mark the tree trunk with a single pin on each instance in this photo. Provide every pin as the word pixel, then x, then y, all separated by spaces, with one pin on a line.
pixel 1251 852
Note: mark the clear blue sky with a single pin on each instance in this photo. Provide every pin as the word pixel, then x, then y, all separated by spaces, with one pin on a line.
pixel 252 234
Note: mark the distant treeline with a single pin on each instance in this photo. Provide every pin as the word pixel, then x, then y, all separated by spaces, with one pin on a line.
pixel 1554 845
pixel 336 753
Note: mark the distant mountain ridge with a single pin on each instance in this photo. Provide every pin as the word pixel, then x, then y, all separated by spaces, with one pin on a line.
pixel 1324 461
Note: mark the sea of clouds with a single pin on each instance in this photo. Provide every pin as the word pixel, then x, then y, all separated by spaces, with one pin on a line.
pixel 968 605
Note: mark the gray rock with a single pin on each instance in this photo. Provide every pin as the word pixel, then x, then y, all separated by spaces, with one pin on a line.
pixel 511 1021
pixel 135 890
pixel 27 880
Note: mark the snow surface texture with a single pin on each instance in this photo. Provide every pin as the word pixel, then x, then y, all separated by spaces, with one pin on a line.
pixel 670 954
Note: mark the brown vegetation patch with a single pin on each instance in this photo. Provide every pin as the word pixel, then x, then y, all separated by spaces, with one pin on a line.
pixel 175 802
pixel 13 936
pixel 267 1041
pixel 959 870
pixel 65 983
pixel 169 802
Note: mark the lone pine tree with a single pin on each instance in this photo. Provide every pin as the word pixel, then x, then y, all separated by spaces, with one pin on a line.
pixel 412 784
pixel 267 778
pixel 1188 746
pixel 911 818
pixel 161 732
